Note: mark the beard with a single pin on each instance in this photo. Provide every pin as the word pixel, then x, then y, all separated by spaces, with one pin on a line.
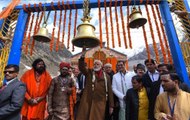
pixel 97 69
pixel 64 74
pixel 40 70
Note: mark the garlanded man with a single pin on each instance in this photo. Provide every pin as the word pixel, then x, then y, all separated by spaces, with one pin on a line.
pixel 96 93
pixel 37 82
pixel 61 94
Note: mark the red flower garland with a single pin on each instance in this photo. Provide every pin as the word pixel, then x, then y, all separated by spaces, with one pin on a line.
pixel 100 23
pixel 54 25
pixel 159 35
pixel 152 35
pixel 123 26
pixel 58 34
pixel 117 25
pixel 128 29
pixel 145 39
pixel 106 22
pixel 69 28
pixel 111 20
pixel 64 24
pixel 165 38
pixel 75 23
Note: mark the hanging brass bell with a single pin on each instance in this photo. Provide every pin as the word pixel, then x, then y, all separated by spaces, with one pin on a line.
pixel 136 19
pixel 42 35
pixel 86 37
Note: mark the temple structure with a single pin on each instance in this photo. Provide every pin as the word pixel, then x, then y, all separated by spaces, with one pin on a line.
pixel 103 54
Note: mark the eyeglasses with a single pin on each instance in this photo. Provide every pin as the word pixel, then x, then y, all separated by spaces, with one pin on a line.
pixel 10 72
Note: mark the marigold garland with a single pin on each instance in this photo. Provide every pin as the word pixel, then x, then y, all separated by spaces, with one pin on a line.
pixel 28 19
pixel 75 24
pixel 159 34
pixel 141 1
pixel 111 20
pixel 29 32
pixel 35 30
pixel 117 25
pixel 37 18
pixel 54 25
pixel 152 2
pixel 69 29
pixel 27 25
pixel 145 39
pixel 41 16
pixel 152 35
pixel 147 1
pixel 123 26
pixel 129 2
pixel 64 25
pixel 72 102
pixel 165 38
pixel 106 22
pixel 100 23
pixel 58 34
pixel 128 29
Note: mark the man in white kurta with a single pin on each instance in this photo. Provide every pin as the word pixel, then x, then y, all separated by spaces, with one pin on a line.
pixel 120 84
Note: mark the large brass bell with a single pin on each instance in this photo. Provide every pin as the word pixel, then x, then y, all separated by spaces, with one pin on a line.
pixel 136 19
pixel 42 35
pixel 86 37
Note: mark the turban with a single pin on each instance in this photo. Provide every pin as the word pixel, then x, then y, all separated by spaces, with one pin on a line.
pixel 64 64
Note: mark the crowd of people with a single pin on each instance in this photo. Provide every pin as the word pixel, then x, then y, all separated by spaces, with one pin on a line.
pixel 150 92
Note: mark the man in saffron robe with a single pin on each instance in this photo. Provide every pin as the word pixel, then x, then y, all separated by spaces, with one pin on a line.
pixel 97 92
pixel 37 82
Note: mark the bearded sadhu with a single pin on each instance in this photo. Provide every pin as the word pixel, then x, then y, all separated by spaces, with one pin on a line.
pixel 97 92
pixel 37 82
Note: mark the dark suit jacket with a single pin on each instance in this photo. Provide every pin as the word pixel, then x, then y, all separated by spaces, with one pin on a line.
pixel 147 82
pixel 11 100
pixel 154 91
pixel 132 104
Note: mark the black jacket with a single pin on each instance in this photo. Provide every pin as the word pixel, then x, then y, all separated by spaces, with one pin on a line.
pixel 132 104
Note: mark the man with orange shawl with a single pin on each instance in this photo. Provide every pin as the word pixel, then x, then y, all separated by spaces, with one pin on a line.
pixel 37 82
pixel 60 102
